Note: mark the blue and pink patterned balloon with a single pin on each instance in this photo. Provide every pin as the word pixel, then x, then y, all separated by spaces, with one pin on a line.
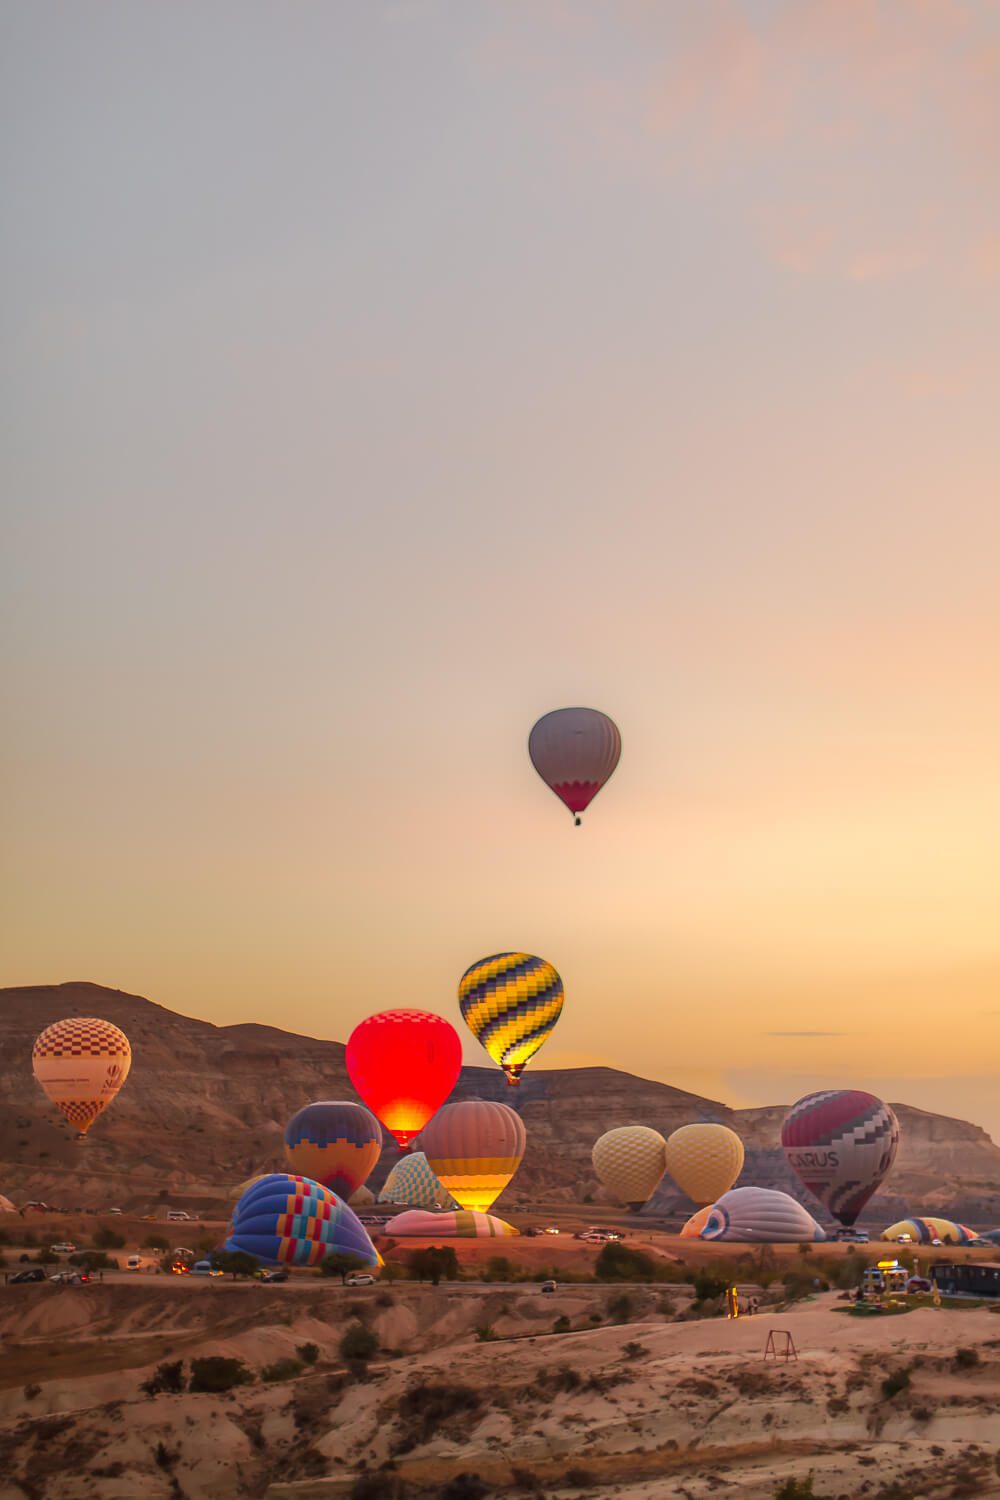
pixel 295 1221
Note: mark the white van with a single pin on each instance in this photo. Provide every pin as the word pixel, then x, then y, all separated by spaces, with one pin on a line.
pixel 133 1263
pixel 178 1216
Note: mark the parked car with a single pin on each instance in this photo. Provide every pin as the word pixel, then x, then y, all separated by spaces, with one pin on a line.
pixel 133 1263
pixel 549 1286
pixel 277 1273
pixel 21 1277
pixel 67 1278
pixel 550 1229
pixel 918 1284
pixel 114 1210
pixel 980 1242
pixel 63 1248
pixel 904 1239
pixel 205 1268
pixel 360 1278
pixel 852 1236
pixel 175 1216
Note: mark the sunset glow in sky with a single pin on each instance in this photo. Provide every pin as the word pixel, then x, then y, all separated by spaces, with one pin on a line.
pixel 382 375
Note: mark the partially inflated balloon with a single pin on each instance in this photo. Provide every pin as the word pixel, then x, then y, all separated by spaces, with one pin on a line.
pixel 510 1002
pixel 474 1148
pixel 404 1064
pixel 926 1231
pixel 336 1142
pixel 297 1222
pixel 841 1143
pixel 704 1160
pixel 630 1162
pixel 461 1225
pixel 756 1215
pixel 574 751
pixel 81 1063
pixel 412 1181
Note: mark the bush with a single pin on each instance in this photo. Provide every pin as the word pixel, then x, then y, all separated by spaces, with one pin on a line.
pixel 358 1344
pixel 965 1359
pixel 498 1268
pixel 380 1486
pixel 465 1487
pixel 621 1307
pixel 707 1287
pixel 795 1489
pixel 632 1350
pixel 617 1262
pixel 215 1373
pixel 894 1383
pixel 46 1257
pixel 94 1260
pixel 434 1263
pixel 308 1353
pixel 167 1379
pixel 425 1407
pixel 155 1242
pixel 484 1333
pixel 282 1369
pixel 562 1325
pixel 109 1239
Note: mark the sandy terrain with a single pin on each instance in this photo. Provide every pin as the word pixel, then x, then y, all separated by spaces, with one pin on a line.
pixel 651 1407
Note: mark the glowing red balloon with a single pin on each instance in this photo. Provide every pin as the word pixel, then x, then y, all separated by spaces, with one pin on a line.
pixel 404 1064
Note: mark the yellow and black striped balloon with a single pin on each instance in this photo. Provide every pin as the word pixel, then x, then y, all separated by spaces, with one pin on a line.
pixel 510 1002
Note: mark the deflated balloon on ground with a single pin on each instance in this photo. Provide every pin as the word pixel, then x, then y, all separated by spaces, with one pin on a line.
pixel 297 1222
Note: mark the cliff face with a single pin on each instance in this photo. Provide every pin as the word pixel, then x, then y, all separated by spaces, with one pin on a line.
pixel 205 1106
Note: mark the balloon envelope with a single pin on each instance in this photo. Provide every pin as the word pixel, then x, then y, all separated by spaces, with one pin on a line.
pixel 461 1225
pixel 574 751
pixel 510 1002
pixel 925 1231
pixel 404 1064
pixel 335 1142
pixel 841 1143
pixel 412 1181
pixel 756 1215
pixel 630 1162
pixel 474 1148
pixel 81 1063
pixel 295 1221
pixel 704 1160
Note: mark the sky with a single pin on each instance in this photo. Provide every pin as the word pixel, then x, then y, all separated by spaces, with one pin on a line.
pixel 379 376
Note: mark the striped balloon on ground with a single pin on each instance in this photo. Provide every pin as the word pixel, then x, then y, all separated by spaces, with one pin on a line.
pixel 412 1181
pixel 630 1162
pixel 704 1160
pixel 295 1221
pixel 754 1215
pixel 334 1141
pixel 510 1002
pixel 926 1231
pixel 81 1063
pixel 474 1148
pixel 461 1225
pixel 841 1143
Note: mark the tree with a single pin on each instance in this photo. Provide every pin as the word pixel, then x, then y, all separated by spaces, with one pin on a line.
pixel 108 1239
pixel 357 1346
pixel 617 1262
pixel 236 1262
pixel 155 1242
pixel 216 1373
pixel 435 1262
pixel 341 1263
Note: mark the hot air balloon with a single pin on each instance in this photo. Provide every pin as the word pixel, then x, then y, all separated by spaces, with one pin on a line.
pixel 461 1225
pixel 630 1162
pixel 574 751
pixel 756 1215
pixel 81 1063
pixel 704 1160
pixel 404 1064
pixel 335 1142
pixel 363 1197
pixel 474 1148
pixel 926 1231
pixel 297 1222
pixel 841 1143
pixel 692 1229
pixel 510 1002
pixel 412 1181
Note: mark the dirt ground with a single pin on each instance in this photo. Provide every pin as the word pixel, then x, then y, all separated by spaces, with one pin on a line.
pixel 593 1391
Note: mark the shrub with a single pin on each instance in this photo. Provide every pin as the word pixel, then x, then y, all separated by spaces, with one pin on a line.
pixel 31 1391
pixel 617 1262
pixel 894 1383
pixel 282 1369
pixel 795 1489
pixel 465 1487
pixel 562 1325
pixel 156 1242
pixel 358 1344
pixel 163 1456
pixel 567 1379
pixel 498 1268
pixel 632 1350
pixel 46 1257
pixel 965 1359
pixel 484 1333
pixel 380 1486
pixel 426 1407
pixel 308 1353
pixel 215 1373
pixel 707 1287
pixel 94 1260
pixel 621 1307
pixel 167 1378
pixel 108 1239
pixel 435 1263
pixel 582 1477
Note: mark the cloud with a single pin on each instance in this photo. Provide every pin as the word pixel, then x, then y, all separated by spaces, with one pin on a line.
pixel 806 1033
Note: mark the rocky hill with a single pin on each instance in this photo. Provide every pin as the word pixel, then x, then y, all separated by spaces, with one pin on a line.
pixel 205 1106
